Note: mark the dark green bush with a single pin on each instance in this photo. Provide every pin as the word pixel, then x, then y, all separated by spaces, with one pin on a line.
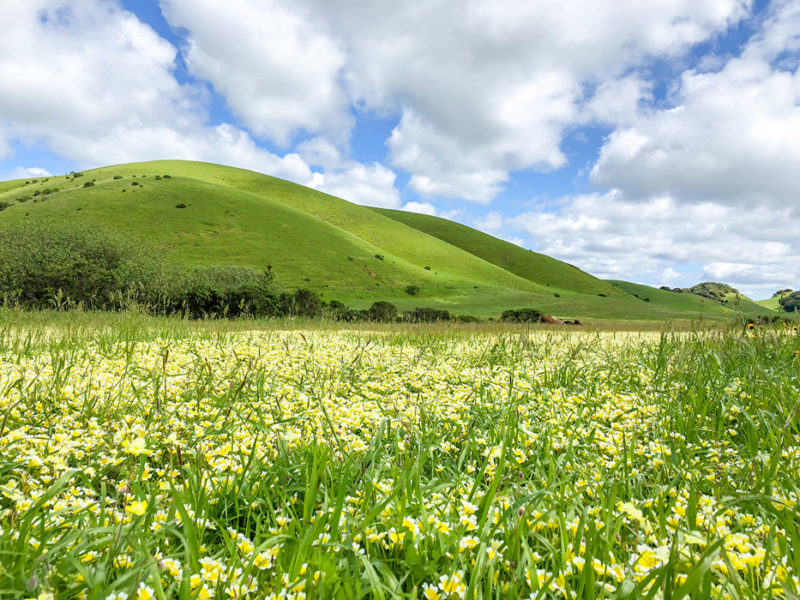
pixel 67 265
pixel 382 311
pixel 42 266
pixel 4 205
pixel 467 319
pixel 790 302
pixel 412 290
pixel 301 303
pixel 522 315
pixel 426 315
pixel 339 311
pixel 225 291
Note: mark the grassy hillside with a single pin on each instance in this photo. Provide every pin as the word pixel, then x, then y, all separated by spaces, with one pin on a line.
pixel 770 303
pixel 530 265
pixel 685 301
pixel 204 214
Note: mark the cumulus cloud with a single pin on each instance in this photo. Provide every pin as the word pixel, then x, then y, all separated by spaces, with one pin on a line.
pixel 95 84
pixel 423 208
pixel 372 185
pixel 320 152
pixel 272 62
pixel 730 136
pixel 5 146
pixel 611 236
pixel 81 67
pixel 492 87
pixel 25 172
pixel 481 91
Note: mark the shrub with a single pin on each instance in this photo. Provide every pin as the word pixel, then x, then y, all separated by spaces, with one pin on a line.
pixel 426 315
pixel 76 264
pixel 4 205
pixel 379 256
pixel 427 267
pixel 69 265
pixel 117 176
pixel 339 311
pixel 226 291
pixel 180 205
pixel 790 302
pixel 301 303
pixel 412 290
pixel 522 315
pixel 467 319
pixel 382 311
pixel 88 184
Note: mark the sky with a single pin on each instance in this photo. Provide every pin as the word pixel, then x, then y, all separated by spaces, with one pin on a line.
pixel 657 142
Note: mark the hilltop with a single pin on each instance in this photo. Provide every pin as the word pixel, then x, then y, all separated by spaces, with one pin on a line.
pixel 204 214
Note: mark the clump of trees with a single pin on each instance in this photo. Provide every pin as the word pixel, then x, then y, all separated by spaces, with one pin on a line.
pixel 790 302
pixel 70 266
pixel 66 266
pixel 522 315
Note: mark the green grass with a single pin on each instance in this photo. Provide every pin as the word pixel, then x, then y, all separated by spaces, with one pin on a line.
pixel 524 263
pixel 690 303
pixel 770 303
pixel 344 251
pixel 172 459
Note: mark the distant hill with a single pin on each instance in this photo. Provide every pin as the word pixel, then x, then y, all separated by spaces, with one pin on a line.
pixel 773 302
pixel 204 214
pixel 669 300
pixel 724 294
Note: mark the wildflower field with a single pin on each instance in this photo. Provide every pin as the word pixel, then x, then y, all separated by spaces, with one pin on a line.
pixel 439 465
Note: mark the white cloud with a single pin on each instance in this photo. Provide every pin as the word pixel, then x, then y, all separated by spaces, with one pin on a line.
pixel 26 172
pixel 481 91
pixel 320 152
pixel 5 146
pixel 82 66
pixel 372 185
pixel 423 208
pixel 275 66
pixel 611 236
pixel 617 101
pixel 94 84
pixel 732 135
pixel 670 275
pixel 490 88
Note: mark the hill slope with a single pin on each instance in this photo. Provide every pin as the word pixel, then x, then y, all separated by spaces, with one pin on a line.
pixel 524 263
pixel 204 214
pixel 686 301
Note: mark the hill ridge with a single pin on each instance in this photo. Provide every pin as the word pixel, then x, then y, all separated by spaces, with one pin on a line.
pixel 214 214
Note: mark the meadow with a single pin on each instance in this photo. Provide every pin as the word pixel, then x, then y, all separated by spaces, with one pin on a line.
pixel 159 458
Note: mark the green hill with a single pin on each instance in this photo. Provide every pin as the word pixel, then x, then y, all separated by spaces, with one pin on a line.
pixel 773 303
pixel 770 303
pixel 688 301
pixel 204 214
pixel 559 276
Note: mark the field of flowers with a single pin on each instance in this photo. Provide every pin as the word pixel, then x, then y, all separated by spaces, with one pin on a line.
pixel 440 465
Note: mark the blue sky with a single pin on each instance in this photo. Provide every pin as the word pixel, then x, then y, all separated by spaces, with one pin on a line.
pixel 653 142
